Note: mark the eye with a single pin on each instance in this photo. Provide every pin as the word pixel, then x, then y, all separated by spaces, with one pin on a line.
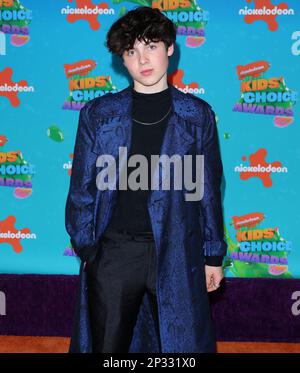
pixel 130 52
pixel 152 46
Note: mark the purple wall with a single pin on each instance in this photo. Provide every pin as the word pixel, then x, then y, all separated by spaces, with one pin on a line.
pixel 243 309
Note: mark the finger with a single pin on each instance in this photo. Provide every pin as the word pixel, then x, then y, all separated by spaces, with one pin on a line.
pixel 215 286
pixel 210 288
pixel 209 282
pixel 210 285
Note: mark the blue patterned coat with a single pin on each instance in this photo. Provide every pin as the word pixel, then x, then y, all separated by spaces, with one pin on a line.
pixel 184 231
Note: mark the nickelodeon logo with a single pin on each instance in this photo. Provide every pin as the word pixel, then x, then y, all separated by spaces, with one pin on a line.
pixel 87 11
pixel 260 168
pixel 265 11
pixel 12 236
pixel 248 220
pixel 176 79
pixel 10 89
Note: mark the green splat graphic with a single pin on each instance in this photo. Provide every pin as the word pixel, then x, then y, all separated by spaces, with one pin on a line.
pixel 122 11
pixel 55 134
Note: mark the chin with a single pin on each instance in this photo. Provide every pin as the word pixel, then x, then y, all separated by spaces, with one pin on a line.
pixel 151 82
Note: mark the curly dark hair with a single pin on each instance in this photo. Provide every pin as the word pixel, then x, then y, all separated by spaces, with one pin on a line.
pixel 142 23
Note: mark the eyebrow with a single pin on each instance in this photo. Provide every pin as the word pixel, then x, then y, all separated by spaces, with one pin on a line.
pixel 149 42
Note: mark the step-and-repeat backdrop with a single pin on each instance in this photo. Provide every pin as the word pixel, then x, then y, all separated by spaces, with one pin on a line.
pixel 242 56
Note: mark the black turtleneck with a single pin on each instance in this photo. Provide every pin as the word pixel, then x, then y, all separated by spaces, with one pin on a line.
pixel 131 209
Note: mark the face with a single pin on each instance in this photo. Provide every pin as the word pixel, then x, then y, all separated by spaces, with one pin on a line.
pixel 147 64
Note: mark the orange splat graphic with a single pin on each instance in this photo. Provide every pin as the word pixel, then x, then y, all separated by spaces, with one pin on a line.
pixel 257 159
pixel 3 140
pixel 176 79
pixel 270 19
pixel 7 225
pixel 6 78
pixel 91 18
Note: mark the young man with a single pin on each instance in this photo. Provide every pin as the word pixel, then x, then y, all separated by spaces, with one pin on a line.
pixel 149 255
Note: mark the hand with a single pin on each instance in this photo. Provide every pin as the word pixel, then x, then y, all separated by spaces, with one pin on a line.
pixel 214 276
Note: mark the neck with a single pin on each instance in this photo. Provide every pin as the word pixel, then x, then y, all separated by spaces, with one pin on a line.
pixel 158 87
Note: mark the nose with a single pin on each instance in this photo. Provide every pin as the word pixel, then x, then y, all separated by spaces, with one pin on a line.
pixel 143 58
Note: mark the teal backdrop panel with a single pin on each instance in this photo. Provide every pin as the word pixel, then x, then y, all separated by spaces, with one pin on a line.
pixel 241 56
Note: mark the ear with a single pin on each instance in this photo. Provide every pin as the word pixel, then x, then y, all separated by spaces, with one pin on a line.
pixel 170 50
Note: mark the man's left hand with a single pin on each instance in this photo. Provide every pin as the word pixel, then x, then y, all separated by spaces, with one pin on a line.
pixel 214 276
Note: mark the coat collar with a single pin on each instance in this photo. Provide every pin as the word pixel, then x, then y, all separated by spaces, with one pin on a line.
pixel 113 117
pixel 124 106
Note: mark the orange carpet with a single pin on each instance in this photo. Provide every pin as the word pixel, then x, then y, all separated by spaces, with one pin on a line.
pixel 15 344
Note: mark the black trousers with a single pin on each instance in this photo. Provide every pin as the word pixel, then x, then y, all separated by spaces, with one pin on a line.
pixel 122 271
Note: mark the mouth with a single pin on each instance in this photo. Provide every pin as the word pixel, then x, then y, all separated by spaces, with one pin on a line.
pixel 146 72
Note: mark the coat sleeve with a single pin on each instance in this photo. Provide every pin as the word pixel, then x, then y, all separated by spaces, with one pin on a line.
pixel 79 210
pixel 211 214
